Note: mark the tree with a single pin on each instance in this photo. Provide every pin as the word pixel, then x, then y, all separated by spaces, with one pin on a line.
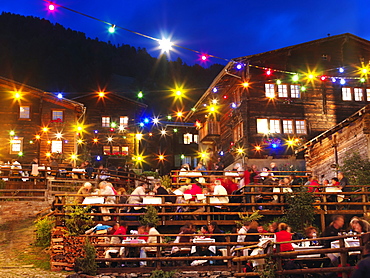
pixel 356 168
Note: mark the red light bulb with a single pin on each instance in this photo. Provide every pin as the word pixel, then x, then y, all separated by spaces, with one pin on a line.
pixel 323 78
pixel 268 72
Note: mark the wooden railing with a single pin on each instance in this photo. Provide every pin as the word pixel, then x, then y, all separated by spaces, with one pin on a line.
pixel 231 257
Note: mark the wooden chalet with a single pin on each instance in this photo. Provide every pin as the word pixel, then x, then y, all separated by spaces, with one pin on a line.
pixel 110 129
pixel 261 107
pixel 36 124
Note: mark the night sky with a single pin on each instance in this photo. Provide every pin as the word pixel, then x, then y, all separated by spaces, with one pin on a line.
pixel 226 29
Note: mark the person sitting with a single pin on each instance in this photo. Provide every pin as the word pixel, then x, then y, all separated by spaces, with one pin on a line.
pixel 214 229
pixel 204 232
pixel 193 190
pixel 119 229
pixel 184 230
pixel 218 192
pixel 136 196
pixel 106 189
pixel 160 190
pixel 332 230
pixel 229 185
pixel 360 226
pixel 84 190
pixel 152 238
pixel 314 185
pixel 363 267
pixel 252 230
pixel 283 235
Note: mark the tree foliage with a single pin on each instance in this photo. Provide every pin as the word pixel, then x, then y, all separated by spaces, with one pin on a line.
pixel 43 231
pixel 87 264
pixel 356 168
pixel 77 220
pixel 301 211
pixel 150 217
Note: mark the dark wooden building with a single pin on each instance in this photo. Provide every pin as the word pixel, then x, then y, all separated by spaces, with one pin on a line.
pixel 111 132
pixel 37 124
pixel 261 107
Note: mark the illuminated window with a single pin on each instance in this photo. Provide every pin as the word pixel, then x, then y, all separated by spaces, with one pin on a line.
pixel 106 150
pixel 358 94
pixel 57 146
pixel 188 138
pixel 24 112
pixel 368 94
pixel 238 132
pixel 300 127
pixel 262 126
pixel 295 91
pixel 346 93
pixel 16 145
pixel 57 115
pixel 275 126
pixel 196 138
pixel 270 90
pixel 115 149
pixel 282 90
pixel 123 121
pixel 105 121
pixel 124 150
pixel 288 126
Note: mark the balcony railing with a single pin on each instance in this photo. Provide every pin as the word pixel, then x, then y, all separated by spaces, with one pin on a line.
pixel 209 131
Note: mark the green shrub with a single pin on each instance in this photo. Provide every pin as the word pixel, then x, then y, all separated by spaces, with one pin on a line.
pixel 77 220
pixel 150 217
pixel 87 264
pixel 162 274
pixel 43 231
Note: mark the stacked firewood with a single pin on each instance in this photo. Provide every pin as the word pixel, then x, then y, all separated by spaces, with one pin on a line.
pixel 65 249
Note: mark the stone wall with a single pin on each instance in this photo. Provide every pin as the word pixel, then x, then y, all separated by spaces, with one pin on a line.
pixel 321 156
pixel 179 274
pixel 19 210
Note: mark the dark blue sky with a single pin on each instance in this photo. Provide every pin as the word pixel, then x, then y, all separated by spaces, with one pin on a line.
pixel 223 28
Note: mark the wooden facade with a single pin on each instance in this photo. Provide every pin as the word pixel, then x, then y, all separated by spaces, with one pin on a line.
pixel 110 128
pixel 326 152
pixel 261 110
pixel 36 124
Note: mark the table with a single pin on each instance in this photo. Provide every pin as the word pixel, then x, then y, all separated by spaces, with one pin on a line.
pixel 305 248
pixel 148 200
pixel 335 189
pixel 348 242
pixel 93 200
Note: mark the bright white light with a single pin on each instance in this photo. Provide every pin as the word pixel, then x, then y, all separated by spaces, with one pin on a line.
pixel 163 132
pixel 58 135
pixel 110 139
pixel 155 121
pixel 165 45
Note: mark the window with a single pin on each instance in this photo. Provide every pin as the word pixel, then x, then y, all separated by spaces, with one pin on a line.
pixel 196 138
pixel 282 90
pixel 57 146
pixel 238 132
pixel 295 91
pixel 24 112
pixel 275 126
pixel 368 94
pixel 358 94
pixel 105 121
pixel 188 138
pixel 57 115
pixel 300 127
pixel 106 150
pixel 262 126
pixel 346 93
pixel 124 150
pixel 16 145
pixel 123 121
pixel 270 90
pixel 288 126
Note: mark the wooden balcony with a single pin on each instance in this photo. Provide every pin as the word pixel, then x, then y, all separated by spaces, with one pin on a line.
pixel 210 131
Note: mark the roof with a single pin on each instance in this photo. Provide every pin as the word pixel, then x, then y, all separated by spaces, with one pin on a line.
pixel 225 70
pixel 40 93
pixel 336 128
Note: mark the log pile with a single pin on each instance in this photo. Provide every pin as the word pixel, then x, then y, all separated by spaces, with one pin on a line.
pixel 65 249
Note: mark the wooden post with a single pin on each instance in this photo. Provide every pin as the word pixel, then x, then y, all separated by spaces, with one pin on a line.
pixel 158 254
pixel 279 261
pixel 228 253
pixel 322 220
pixel 343 257
pixel 364 197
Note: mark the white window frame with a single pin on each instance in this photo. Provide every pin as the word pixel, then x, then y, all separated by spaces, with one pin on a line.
pixel 123 121
pixel 262 126
pixel 187 138
pixel 55 117
pixel 295 91
pixel 282 90
pixel 275 126
pixel 270 90
pixel 16 145
pixel 368 94
pixel 57 146
pixel 105 121
pixel 300 127
pixel 288 126
pixel 358 94
pixel 24 112
pixel 346 94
